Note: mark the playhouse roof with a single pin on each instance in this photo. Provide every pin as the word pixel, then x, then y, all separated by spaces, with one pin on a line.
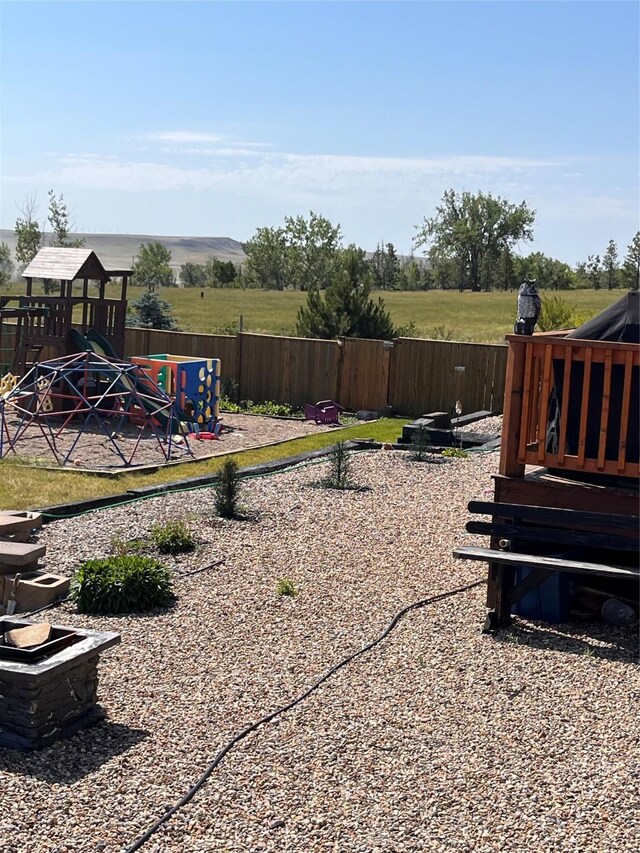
pixel 66 265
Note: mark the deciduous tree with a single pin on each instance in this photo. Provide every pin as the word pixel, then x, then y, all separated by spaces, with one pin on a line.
pixel 28 233
pixel 266 264
pixel 151 268
pixel 6 265
pixel 474 230
pixel 59 219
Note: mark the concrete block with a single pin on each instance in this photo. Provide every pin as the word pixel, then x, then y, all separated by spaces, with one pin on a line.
pixel 16 554
pixel 35 589
pixel 18 525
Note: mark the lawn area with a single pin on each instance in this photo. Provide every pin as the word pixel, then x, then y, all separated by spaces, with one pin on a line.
pixel 25 487
pixel 484 317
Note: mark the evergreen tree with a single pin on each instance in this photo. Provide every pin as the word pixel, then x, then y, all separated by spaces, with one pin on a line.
pixel 346 308
pixel 631 268
pixel 152 312
pixel 610 265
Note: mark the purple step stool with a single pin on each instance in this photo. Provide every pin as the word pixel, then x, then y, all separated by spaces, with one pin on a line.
pixel 324 412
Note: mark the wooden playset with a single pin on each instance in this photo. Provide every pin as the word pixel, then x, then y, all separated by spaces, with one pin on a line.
pixel 64 369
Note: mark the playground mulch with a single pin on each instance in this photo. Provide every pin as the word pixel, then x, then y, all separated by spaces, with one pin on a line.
pixel 438 739
pixel 94 451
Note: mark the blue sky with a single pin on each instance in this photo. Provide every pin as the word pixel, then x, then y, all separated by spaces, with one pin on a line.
pixel 214 118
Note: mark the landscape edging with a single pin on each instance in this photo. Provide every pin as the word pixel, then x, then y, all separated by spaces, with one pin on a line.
pixel 72 508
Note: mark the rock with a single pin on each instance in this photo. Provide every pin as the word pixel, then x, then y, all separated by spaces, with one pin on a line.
pixel 27 638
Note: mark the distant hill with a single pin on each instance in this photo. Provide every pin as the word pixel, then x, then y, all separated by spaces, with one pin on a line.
pixel 118 250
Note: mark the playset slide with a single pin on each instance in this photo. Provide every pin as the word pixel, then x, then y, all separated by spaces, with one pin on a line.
pixel 101 346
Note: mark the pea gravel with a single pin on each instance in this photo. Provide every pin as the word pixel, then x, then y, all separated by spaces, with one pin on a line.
pixel 440 739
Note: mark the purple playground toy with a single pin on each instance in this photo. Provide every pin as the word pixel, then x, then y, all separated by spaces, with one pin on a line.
pixel 324 412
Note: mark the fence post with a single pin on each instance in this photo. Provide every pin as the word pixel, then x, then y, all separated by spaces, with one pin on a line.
pixel 340 342
pixel 239 337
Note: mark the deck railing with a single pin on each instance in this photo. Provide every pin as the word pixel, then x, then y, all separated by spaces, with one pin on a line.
pixel 571 405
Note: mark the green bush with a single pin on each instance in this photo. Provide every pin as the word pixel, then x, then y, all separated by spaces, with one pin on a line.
pixel 227 491
pixel 125 584
pixel 555 314
pixel 455 453
pixel 173 537
pixel 286 587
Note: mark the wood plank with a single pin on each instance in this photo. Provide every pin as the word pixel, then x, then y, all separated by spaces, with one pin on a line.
pixel 510 465
pixel 584 408
pixel 555 564
pixel 544 401
pixel 544 535
pixel 561 515
pixel 564 409
pixel 526 402
pixel 625 410
pixel 604 417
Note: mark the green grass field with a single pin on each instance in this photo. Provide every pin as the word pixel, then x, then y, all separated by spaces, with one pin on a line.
pixel 484 317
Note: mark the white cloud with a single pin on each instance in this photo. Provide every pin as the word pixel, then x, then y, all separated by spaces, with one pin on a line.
pixel 248 170
pixel 182 136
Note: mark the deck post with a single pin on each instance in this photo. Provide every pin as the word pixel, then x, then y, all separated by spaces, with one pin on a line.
pixel 511 426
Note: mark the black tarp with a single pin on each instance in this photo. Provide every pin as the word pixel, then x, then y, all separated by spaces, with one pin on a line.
pixel 619 322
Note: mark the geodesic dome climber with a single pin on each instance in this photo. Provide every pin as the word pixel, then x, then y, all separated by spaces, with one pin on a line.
pixel 66 399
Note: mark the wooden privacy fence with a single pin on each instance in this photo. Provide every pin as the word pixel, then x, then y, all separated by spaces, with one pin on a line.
pixel 413 376
pixel 428 376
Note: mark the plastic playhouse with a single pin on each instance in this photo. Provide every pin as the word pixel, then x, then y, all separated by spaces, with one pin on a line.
pixel 194 384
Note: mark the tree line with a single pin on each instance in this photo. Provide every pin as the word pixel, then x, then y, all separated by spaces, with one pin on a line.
pixel 469 243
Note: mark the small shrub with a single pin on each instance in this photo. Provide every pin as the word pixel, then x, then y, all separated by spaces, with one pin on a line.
pixel 339 476
pixel 455 453
pixel 229 389
pixel 441 333
pixel 273 409
pixel 555 314
pixel 228 405
pixel 420 447
pixel 125 584
pixel 227 491
pixel 286 587
pixel 120 547
pixel 174 537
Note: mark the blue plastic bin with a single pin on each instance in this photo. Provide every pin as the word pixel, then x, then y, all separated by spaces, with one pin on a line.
pixel 548 602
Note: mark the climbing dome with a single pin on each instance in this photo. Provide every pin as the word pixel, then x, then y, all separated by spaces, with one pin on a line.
pixel 90 411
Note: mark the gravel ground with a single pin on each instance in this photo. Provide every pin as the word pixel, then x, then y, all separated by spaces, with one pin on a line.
pixel 439 739
pixel 94 450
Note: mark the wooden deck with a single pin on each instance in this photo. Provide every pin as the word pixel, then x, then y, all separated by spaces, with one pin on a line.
pixel 571 405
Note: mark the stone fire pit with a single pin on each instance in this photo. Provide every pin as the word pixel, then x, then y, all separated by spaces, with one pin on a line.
pixel 49 692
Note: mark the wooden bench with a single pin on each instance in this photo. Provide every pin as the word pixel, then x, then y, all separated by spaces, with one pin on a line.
pixel 547 540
